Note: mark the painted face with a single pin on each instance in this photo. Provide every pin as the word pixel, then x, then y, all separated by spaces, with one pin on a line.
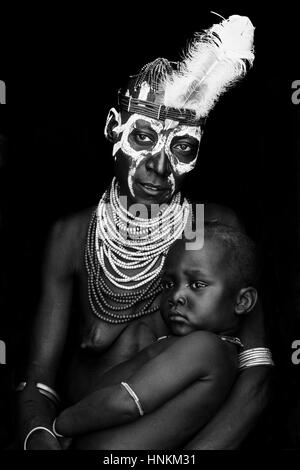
pixel 198 292
pixel 156 154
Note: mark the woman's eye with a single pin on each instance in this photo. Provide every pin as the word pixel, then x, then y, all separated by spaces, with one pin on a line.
pixel 198 285
pixel 183 147
pixel 143 138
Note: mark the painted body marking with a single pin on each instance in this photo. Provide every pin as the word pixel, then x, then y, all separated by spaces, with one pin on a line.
pixel 179 167
pixel 165 132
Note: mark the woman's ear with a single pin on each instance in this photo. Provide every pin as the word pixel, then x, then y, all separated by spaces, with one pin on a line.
pixel 246 300
pixel 112 126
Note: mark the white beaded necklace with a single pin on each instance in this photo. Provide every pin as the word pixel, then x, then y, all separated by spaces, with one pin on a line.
pixel 125 242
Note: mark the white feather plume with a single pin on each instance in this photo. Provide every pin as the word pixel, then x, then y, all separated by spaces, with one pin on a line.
pixel 214 61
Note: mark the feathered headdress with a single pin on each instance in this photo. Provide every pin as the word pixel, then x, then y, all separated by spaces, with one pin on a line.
pixel 214 61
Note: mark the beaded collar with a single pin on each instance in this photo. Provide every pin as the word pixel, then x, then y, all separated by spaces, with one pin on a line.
pixel 128 252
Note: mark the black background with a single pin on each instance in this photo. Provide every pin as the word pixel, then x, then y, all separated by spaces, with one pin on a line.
pixel 62 77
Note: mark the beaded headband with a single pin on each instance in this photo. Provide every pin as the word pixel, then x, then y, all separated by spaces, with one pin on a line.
pixel 158 111
pixel 144 95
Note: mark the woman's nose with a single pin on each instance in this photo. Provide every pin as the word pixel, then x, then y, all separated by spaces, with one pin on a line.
pixel 160 163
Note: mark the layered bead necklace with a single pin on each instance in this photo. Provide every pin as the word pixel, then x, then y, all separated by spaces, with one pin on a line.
pixel 129 252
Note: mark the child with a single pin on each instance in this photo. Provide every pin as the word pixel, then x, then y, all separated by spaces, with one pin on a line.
pixel 206 292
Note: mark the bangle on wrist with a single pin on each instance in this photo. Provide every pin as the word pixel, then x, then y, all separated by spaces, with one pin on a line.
pixel 56 434
pixel 49 393
pixel 134 396
pixel 44 389
pixel 37 428
pixel 255 357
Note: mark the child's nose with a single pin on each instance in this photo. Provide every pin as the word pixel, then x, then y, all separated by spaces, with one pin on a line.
pixel 177 298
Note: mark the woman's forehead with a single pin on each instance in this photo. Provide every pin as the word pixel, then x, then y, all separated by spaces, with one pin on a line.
pixel 143 122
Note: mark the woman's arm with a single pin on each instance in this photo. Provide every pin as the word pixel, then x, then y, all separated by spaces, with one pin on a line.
pixel 200 356
pixel 47 341
pixel 238 415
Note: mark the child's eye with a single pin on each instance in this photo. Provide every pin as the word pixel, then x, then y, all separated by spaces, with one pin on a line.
pixel 198 285
pixel 168 285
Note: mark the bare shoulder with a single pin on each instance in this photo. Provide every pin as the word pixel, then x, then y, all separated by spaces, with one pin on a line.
pixel 73 226
pixel 199 340
pixel 67 238
pixel 208 350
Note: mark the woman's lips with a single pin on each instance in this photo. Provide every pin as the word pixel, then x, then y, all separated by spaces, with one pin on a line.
pixel 153 189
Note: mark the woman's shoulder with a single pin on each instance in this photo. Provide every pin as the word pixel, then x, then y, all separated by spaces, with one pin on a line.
pixel 72 227
pixel 67 237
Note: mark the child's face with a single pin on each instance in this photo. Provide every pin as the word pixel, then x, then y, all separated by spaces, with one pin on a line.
pixel 198 292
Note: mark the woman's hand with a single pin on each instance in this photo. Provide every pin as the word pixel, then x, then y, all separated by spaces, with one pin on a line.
pixel 42 440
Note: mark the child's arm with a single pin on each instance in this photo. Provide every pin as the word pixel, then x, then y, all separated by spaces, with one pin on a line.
pixel 199 356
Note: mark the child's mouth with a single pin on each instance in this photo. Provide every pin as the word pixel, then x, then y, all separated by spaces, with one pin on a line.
pixel 177 316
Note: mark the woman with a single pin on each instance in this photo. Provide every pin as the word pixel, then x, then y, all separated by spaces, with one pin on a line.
pixel 110 258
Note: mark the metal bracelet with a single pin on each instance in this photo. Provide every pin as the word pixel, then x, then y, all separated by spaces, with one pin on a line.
pixel 48 392
pixel 134 396
pixel 44 390
pixel 255 357
pixel 54 430
pixel 37 428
